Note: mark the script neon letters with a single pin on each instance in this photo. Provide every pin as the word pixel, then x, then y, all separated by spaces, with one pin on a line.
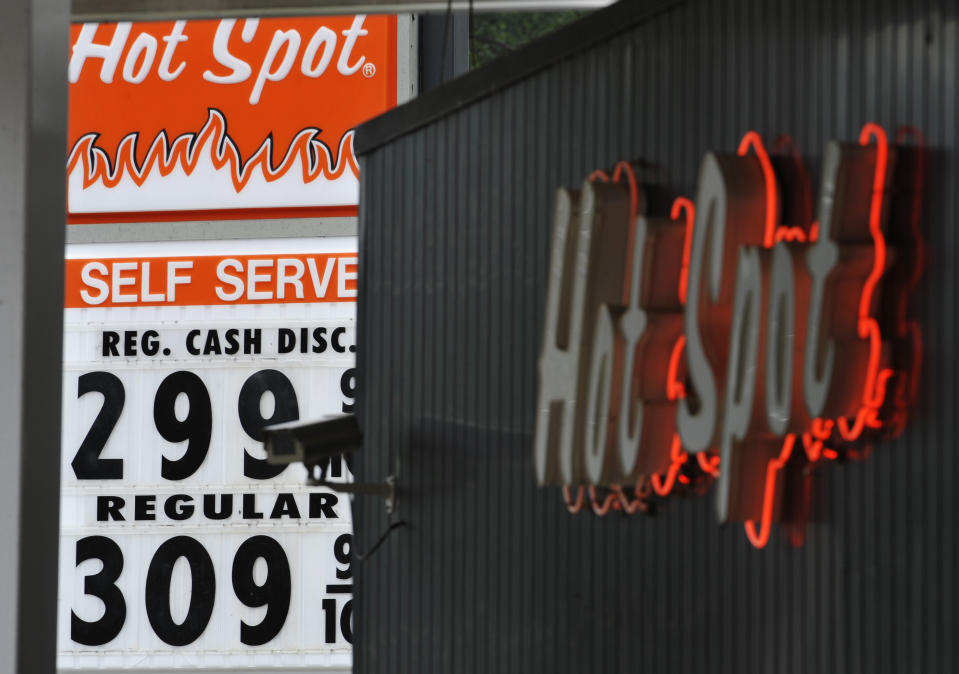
pixel 736 338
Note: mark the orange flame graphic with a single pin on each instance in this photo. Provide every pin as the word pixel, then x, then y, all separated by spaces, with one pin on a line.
pixel 163 157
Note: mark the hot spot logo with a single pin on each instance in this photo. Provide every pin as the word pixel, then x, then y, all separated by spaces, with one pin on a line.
pixel 736 339
pixel 223 115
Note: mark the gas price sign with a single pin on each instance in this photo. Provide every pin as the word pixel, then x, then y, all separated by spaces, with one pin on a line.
pixel 181 547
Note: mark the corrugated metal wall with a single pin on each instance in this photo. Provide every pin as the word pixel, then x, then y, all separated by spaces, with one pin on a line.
pixel 490 573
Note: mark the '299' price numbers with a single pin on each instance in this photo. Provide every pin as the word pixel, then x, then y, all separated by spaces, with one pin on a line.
pixel 194 426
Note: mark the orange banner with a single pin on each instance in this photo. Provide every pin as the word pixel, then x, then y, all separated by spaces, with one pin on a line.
pixel 211 280
pixel 223 115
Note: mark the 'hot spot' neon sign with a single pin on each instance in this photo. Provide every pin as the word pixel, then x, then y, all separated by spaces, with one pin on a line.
pixel 661 368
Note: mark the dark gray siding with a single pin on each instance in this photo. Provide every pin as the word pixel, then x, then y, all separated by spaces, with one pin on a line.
pixel 490 573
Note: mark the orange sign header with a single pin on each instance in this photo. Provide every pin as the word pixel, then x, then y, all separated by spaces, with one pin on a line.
pixel 215 115
pixel 210 280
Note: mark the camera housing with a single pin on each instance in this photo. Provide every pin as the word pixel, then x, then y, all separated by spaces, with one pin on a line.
pixel 312 442
pixel 315 443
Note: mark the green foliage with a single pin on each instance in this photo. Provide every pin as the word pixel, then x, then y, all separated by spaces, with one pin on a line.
pixel 494 35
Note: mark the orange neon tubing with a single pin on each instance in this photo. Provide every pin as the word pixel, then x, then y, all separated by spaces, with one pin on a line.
pixel 624 167
pixel 753 139
pixel 790 234
pixel 573 507
pixel 875 213
pixel 678 456
pixel 617 497
pixel 876 380
pixel 683 205
pixel 822 428
pixel 628 506
pixel 708 464
pixel 604 507
pixel 621 168
pixel 760 538
pixel 675 389
pixel 868 327
pixel 812 446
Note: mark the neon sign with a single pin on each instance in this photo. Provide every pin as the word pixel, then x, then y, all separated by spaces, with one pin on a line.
pixel 735 337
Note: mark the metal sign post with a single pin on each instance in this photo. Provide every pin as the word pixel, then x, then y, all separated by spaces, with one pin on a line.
pixel 33 50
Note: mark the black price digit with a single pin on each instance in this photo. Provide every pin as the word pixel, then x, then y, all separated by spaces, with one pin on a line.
pixel 345 621
pixel 332 466
pixel 285 409
pixel 329 619
pixel 348 389
pixel 195 428
pixel 341 550
pixel 87 464
pixel 202 591
pixel 274 593
pixel 103 586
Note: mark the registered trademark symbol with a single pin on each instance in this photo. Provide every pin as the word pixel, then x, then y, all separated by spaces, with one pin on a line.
pixel 369 70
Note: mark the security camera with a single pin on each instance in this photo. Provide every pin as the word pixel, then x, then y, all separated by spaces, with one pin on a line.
pixel 312 442
pixel 315 443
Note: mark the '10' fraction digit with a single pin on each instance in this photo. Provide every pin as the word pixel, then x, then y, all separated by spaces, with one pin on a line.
pixel 341 551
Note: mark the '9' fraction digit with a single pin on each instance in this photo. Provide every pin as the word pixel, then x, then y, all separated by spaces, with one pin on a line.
pixel 348 389
pixel 342 552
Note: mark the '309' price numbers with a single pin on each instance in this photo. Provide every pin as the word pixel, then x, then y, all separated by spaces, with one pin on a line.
pixel 273 591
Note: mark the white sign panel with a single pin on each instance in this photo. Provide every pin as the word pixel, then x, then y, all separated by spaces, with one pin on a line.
pixel 181 548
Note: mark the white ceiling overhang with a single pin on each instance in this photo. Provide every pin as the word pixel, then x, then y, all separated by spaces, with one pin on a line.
pixel 146 10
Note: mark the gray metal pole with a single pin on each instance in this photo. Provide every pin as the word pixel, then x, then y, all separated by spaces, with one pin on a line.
pixel 433 31
pixel 33 113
